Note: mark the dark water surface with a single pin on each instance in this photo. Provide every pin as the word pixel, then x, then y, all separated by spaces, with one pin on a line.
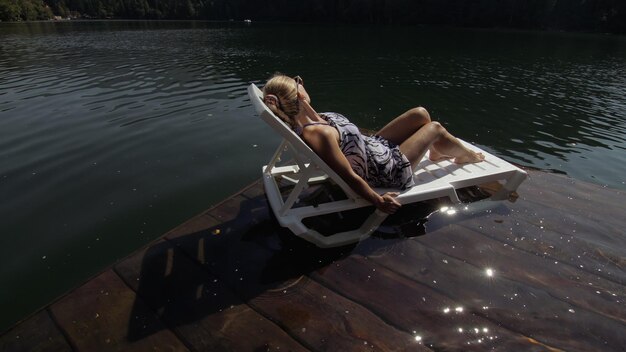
pixel 111 133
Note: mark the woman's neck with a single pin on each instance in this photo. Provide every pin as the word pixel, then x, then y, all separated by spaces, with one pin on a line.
pixel 307 114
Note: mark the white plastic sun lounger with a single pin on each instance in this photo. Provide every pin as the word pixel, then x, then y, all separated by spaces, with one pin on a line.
pixel 432 180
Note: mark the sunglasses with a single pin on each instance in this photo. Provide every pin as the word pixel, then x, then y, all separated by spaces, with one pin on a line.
pixel 299 81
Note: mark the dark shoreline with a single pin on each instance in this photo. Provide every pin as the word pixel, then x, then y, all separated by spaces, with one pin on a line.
pixel 588 16
pixel 353 25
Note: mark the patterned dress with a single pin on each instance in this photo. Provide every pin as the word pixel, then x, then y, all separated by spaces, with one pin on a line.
pixel 375 159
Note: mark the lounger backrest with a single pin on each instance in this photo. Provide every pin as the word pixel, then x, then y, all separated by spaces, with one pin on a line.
pixel 297 144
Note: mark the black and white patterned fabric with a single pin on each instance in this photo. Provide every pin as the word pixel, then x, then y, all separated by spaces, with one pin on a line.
pixel 377 160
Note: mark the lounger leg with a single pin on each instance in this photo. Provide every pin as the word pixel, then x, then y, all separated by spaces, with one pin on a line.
pixel 454 197
pixel 373 222
pixel 344 238
pixel 509 186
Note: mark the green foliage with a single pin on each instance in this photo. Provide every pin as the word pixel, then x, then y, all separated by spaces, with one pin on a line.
pixel 24 10
pixel 9 11
pixel 587 15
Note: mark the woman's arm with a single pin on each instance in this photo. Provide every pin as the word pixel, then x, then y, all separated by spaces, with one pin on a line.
pixel 324 140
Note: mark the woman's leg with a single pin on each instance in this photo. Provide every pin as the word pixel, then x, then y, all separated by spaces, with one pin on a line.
pixel 403 126
pixel 433 136
pixel 406 125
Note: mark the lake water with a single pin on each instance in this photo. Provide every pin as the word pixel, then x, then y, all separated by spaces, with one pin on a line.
pixel 111 133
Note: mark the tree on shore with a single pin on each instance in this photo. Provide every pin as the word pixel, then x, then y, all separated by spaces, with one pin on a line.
pixel 583 15
pixel 24 10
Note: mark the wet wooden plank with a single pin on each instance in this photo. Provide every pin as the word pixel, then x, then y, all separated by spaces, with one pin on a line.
pixel 239 247
pixel 596 230
pixel 600 232
pixel 240 234
pixel 418 309
pixel 204 221
pixel 37 333
pixel 232 270
pixel 327 321
pixel 202 311
pixel 255 190
pixel 515 306
pixel 564 282
pixel 249 256
pixel 546 235
pixel 105 314
pixel 575 197
pixel 586 191
pixel 237 208
pixel 591 256
pixel 196 224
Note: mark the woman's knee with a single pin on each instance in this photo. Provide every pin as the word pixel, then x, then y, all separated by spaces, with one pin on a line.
pixel 419 115
pixel 436 128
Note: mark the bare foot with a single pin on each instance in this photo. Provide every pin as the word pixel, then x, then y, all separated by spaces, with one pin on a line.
pixel 436 156
pixel 472 157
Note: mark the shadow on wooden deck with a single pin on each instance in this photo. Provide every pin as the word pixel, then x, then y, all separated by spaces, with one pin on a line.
pixel 544 273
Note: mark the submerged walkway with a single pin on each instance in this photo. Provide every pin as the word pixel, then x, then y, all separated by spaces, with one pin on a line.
pixel 545 273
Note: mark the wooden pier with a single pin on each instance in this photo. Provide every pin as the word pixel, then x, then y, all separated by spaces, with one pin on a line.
pixel 544 273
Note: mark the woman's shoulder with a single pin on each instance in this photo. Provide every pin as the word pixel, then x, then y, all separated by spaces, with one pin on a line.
pixel 334 117
pixel 332 114
pixel 319 135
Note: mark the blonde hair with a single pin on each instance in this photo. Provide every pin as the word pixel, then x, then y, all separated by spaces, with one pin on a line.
pixel 284 88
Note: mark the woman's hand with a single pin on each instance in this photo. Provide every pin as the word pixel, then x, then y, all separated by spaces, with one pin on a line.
pixel 387 203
